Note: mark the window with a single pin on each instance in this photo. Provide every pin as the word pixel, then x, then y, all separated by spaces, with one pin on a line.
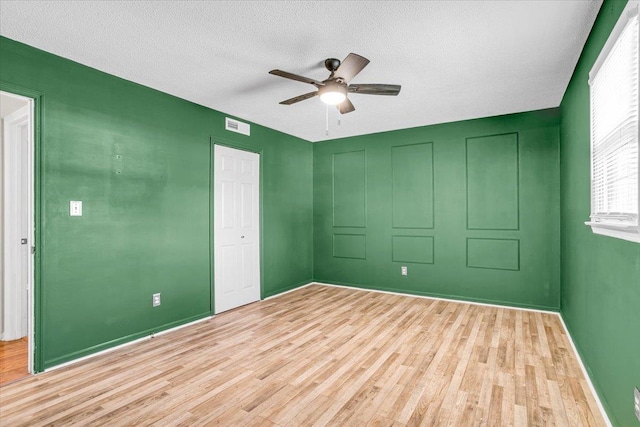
pixel 614 98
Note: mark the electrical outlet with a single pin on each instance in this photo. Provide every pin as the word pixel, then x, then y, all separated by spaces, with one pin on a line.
pixel 636 402
pixel 156 300
pixel 403 270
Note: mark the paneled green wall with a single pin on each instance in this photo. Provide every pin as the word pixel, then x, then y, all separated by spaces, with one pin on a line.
pixel 471 208
pixel 139 160
pixel 600 275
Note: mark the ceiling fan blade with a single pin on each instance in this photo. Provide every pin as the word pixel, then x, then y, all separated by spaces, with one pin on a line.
pixel 299 98
pixel 375 89
pixel 350 67
pixel 345 107
pixel 292 76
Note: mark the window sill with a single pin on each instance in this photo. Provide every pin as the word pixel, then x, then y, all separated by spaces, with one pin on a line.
pixel 631 234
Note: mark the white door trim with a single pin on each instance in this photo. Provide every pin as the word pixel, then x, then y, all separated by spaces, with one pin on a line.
pixel 236 226
pixel 11 242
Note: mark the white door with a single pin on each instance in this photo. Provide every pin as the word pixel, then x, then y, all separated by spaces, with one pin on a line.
pixel 236 228
pixel 17 218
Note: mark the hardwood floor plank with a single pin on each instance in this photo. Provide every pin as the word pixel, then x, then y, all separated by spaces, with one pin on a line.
pixel 421 398
pixel 557 405
pixel 325 356
pixel 14 359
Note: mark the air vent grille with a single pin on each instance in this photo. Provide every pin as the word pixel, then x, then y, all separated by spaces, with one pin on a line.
pixel 237 126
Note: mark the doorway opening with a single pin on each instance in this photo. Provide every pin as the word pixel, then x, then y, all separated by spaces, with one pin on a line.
pixel 16 236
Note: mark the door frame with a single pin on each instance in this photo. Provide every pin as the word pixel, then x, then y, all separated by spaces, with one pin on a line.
pixel 238 146
pixel 35 359
pixel 16 311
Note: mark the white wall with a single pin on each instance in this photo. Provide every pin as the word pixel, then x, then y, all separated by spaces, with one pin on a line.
pixel 8 105
pixel 1 225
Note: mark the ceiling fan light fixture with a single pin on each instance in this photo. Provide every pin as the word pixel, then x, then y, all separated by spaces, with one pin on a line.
pixel 333 91
pixel 333 94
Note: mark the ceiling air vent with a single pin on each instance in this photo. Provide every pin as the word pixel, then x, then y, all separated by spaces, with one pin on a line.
pixel 236 126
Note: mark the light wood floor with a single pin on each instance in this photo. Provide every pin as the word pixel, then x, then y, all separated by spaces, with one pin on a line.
pixel 13 360
pixel 326 356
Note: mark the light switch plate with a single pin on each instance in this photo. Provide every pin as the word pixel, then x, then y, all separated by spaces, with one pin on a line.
pixel 75 208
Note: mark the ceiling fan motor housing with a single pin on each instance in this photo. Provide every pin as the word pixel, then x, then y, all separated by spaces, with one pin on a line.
pixel 332 64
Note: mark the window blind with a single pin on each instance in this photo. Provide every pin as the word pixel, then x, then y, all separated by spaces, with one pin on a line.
pixel 614 132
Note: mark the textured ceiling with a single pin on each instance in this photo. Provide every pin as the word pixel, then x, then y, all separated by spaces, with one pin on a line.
pixel 455 60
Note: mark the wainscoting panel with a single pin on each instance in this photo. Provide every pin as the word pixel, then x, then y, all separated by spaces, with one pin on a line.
pixel 497 254
pixel 349 189
pixel 412 186
pixel 414 249
pixel 350 246
pixel 493 182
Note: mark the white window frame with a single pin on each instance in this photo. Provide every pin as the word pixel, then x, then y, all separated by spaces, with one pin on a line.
pixel 612 225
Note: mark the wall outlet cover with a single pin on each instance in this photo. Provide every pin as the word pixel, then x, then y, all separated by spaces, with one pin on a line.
pixel 75 208
pixel 403 270
pixel 156 300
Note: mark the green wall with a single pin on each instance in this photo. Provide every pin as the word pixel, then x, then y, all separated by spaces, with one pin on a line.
pixel 140 160
pixel 471 208
pixel 600 275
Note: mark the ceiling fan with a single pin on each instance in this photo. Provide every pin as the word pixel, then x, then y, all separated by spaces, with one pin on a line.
pixel 333 91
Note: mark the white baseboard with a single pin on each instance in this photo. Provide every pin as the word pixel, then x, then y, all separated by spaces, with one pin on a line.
pixel 109 350
pixel 290 290
pixel 459 301
pixel 585 373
